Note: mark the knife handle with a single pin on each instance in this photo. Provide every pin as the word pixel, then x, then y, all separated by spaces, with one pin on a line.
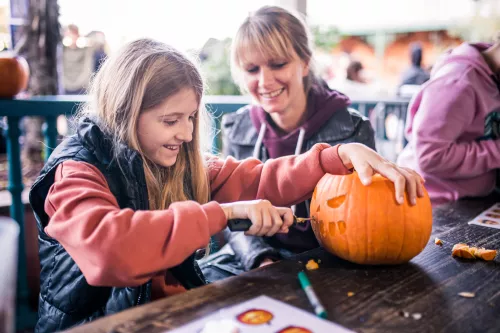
pixel 239 224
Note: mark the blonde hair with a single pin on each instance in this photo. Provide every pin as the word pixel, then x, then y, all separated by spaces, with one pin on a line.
pixel 142 75
pixel 273 31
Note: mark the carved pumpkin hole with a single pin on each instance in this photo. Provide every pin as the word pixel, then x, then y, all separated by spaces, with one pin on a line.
pixel 321 227
pixel 317 210
pixel 342 226
pixel 331 228
pixel 336 202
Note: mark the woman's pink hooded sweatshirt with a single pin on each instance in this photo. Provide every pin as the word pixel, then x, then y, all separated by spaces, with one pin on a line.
pixel 453 127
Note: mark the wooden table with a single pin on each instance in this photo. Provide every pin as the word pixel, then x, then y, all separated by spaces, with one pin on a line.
pixel 428 285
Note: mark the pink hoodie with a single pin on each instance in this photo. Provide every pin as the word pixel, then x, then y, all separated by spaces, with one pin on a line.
pixel 452 127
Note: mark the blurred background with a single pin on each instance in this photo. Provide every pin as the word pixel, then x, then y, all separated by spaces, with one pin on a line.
pixel 376 33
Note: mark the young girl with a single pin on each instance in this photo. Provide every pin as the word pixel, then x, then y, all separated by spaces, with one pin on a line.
pixel 123 204
pixel 292 111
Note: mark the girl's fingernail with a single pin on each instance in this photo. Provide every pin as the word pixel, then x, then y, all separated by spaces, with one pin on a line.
pixel 401 200
pixel 413 201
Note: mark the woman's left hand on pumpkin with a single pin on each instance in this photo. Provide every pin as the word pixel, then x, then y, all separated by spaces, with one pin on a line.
pixel 367 162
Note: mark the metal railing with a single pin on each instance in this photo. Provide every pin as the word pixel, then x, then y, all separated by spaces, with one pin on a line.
pixel 50 107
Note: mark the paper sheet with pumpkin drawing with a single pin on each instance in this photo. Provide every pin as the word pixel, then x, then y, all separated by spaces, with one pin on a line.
pixel 489 218
pixel 261 315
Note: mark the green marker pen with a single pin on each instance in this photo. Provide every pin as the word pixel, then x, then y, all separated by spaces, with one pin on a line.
pixel 311 295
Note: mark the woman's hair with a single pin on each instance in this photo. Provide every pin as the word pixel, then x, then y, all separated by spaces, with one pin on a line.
pixel 142 75
pixel 353 69
pixel 274 32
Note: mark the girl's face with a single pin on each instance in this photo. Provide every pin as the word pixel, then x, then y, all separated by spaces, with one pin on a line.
pixel 163 129
pixel 275 84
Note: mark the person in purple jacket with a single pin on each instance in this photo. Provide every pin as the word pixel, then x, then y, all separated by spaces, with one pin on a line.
pixel 292 110
pixel 453 125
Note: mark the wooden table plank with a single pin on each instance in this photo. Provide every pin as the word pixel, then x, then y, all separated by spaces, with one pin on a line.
pixel 428 285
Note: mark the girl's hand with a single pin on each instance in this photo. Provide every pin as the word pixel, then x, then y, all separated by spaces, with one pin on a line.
pixel 266 219
pixel 367 162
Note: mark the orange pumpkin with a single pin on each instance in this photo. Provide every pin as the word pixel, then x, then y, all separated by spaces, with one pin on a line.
pixel 364 224
pixel 14 73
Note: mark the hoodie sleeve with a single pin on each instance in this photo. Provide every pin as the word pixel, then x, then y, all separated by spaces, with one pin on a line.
pixel 122 247
pixel 446 110
pixel 283 181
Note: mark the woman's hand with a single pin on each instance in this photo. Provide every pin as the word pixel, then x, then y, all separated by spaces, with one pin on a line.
pixel 367 162
pixel 266 218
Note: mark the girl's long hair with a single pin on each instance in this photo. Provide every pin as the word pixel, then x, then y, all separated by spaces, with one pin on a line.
pixel 141 76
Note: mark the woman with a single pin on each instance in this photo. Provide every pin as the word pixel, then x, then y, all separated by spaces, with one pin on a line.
pixel 271 59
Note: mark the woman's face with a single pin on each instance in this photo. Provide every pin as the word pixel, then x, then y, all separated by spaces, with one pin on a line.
pixel 275 84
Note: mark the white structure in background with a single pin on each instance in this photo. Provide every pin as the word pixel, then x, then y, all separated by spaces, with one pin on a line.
pixel 485 19
pixel 189 24
pixel 4 25
pixel 298 5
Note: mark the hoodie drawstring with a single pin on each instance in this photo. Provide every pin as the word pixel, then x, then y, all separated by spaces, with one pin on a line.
pixel 258 143
pixel 300 141
pixel 298 149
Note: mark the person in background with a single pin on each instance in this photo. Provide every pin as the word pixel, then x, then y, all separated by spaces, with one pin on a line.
pixel 453 124
pixel 354 70
pixel 97 41
pixel 354 84
pixel 413 77
pixel 415 74
pixel 123 205
pixel 78 62
pixel 292 110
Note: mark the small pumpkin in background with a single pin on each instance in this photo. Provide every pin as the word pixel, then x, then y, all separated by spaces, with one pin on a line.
pixel 365 224
pixel 14 74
